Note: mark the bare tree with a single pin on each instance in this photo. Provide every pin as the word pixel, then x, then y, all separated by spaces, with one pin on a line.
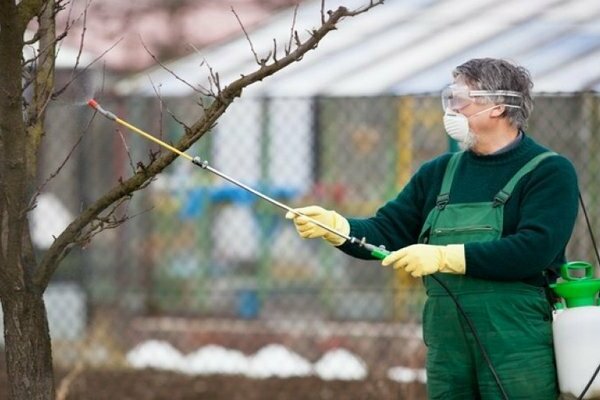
pixel 23 278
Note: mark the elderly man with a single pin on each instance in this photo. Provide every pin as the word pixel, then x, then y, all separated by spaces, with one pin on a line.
pixel 491 223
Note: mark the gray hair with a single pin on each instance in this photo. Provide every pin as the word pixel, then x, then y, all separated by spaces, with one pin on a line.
pixel 497 74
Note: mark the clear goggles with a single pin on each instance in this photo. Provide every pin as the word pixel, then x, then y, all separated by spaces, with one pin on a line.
pixel 457 97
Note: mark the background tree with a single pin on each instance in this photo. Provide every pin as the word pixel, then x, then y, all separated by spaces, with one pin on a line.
pixel 26 89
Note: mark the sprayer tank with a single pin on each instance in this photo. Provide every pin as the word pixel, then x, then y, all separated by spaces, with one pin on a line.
pixel 576 330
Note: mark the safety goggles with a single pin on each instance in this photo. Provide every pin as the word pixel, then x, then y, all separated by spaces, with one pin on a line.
pixel 457 97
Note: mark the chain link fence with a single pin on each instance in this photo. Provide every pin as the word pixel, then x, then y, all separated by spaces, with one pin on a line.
pixel 204 266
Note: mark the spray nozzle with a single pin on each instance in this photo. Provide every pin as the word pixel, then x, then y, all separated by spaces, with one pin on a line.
pixel 94 104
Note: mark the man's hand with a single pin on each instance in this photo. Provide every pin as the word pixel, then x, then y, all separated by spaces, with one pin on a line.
pixel 309 230
pixel 425 259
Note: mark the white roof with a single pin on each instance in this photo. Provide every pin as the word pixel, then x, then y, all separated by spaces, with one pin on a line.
pixel 405 46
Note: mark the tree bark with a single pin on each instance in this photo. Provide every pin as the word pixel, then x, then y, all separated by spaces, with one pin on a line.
pixel 27 338
pixel 28 351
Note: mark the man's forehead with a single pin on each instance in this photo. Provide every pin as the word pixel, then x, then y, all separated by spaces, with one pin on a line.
pixel 460 81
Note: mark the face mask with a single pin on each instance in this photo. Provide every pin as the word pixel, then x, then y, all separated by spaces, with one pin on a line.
pixel 457 125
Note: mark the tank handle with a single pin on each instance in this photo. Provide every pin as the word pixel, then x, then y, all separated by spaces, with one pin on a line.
pixel 568 270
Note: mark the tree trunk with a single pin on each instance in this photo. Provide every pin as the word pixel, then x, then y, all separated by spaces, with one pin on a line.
pixel 27 347
pixel 27 339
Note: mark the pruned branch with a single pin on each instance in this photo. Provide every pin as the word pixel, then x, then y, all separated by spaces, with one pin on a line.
pixel 54 174
pixel 201 91
pixel 163 104
pixel 288 48
pixel 105 222
pixel 274 50
pixel 247 36
pixel 302 47
pixel 74 71
pixel 81 38
pixel 126 147
pixel 203 63
pixel 365 8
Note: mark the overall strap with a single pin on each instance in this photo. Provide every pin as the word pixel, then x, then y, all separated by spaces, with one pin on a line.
pixel 444 197
pixel 504 194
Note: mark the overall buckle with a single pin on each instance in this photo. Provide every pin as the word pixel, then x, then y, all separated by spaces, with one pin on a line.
pixel 501 198
pixel 442 200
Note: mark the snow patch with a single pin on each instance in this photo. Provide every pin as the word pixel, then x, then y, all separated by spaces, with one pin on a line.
pixel 156 354
pixel 216 360
pixel 277 361
pixel 273 360
pixel 340 364
pixel 407 375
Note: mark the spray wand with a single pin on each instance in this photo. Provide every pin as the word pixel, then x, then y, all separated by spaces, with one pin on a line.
pixel 378 252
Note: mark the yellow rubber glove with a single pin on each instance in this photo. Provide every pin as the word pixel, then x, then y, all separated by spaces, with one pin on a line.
pixel 425 259
pixel 308 230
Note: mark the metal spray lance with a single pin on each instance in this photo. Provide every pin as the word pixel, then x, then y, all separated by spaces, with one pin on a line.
pixel 378 252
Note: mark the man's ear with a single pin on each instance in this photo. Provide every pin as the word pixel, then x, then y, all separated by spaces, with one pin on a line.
pixel 498 111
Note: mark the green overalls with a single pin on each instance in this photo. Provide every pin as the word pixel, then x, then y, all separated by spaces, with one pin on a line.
pixel 513 319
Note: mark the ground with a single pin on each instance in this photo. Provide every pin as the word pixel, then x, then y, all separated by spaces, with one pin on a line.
pixel 159 385
pixel 393 345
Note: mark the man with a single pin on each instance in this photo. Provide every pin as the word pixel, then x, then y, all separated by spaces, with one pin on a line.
pixel 491 223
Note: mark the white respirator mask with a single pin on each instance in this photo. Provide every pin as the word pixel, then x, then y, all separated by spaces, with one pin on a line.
pixel 457 124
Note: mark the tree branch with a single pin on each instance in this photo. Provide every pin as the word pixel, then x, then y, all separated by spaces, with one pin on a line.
pixel 288 47
pixel 105 222
pixel 126 147
pixel 44 84
pixel 84 69
pixel 247 36
pixel 166 107
pixel 201 91
pixel 28 9
pixel 234 89
pixel 54 174
pixel 74 73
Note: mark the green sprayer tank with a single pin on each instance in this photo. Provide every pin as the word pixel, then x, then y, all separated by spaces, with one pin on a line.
pixel 576 329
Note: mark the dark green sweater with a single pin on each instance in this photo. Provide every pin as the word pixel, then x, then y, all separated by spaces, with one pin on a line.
pixel 538 218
